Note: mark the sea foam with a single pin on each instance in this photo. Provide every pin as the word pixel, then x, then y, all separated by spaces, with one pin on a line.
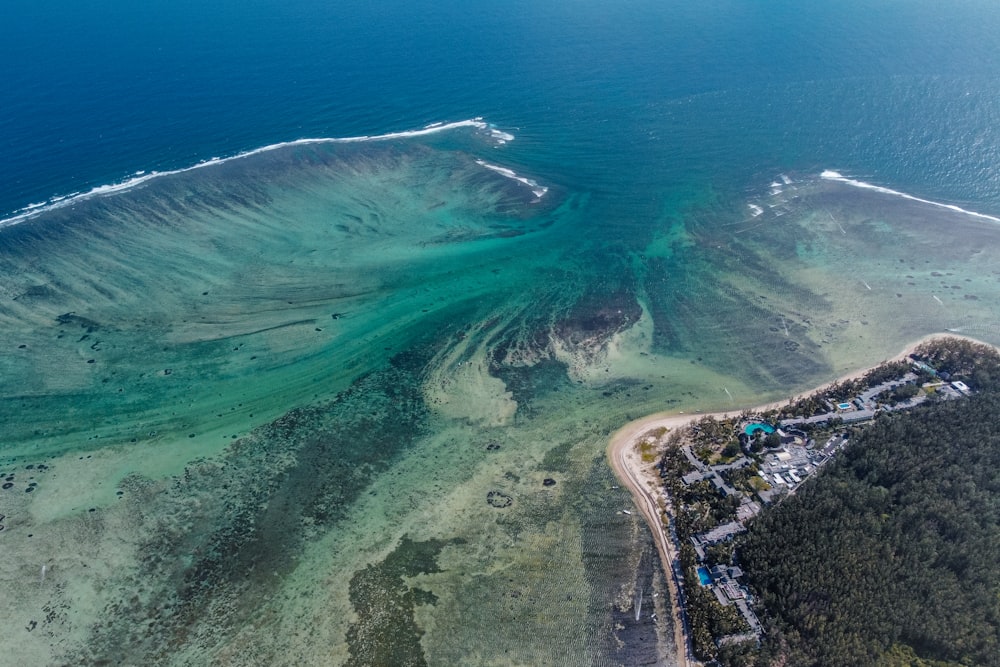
pixel 538 190
pixel 141 177
pixel 831 175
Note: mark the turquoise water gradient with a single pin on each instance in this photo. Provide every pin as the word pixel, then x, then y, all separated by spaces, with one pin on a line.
pixel 347 403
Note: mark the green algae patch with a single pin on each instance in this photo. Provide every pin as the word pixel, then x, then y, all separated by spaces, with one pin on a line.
pixel 557 459
pixel 220 539
pixel 386 632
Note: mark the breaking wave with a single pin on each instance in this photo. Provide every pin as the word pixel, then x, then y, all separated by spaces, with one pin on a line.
pixel 831 175
pixel 140 177
pixel 538 190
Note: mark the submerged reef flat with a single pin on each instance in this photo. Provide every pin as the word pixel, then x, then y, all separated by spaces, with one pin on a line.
pixel 176 292
pixel 347 404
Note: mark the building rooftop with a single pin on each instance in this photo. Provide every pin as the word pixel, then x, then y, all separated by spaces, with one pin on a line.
pixel 693 477
pixel 720 533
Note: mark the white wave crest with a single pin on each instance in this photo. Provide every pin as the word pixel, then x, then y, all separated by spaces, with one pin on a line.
pixel 141 177
pixel 538 190
pixel 501 137
pixel 831 175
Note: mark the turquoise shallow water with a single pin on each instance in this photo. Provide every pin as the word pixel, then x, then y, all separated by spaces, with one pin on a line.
pixel 347 402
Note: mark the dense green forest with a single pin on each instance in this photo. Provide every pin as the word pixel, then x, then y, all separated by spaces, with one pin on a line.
pixel 891 555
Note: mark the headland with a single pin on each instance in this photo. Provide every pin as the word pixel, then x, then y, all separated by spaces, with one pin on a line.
pixel 637 468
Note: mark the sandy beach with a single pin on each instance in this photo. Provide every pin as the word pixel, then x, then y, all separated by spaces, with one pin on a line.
pixel 643 482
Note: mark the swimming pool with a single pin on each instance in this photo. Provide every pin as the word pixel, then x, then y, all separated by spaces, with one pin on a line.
pixel 704 577
pixel 750 429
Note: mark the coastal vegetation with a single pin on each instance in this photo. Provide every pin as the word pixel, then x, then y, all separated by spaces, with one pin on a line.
pixel 890 556
pixel 698 508
pixel 820 402
pixel 887 556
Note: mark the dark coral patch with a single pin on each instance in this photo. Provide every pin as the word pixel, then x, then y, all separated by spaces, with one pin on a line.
pixel 499 499
pixel 386 632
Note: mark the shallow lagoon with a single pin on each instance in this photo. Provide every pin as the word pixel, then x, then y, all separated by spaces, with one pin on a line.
pixel 348 403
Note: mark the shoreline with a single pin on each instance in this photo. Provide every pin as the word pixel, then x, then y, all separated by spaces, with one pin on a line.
pixel 644 484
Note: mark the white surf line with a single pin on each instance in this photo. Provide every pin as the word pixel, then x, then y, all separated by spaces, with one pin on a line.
pixel 141 177
pixel 831 175
pixel 500 136
pixel 538 190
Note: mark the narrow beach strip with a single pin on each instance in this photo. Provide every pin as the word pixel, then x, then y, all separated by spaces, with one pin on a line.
pixel 646 488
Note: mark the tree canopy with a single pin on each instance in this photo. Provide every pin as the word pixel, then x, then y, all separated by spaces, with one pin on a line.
pixel 890 555
pixel 894 550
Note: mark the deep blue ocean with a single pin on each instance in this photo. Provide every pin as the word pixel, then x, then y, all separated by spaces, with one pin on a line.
pixel 902 92
pixel 350 402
